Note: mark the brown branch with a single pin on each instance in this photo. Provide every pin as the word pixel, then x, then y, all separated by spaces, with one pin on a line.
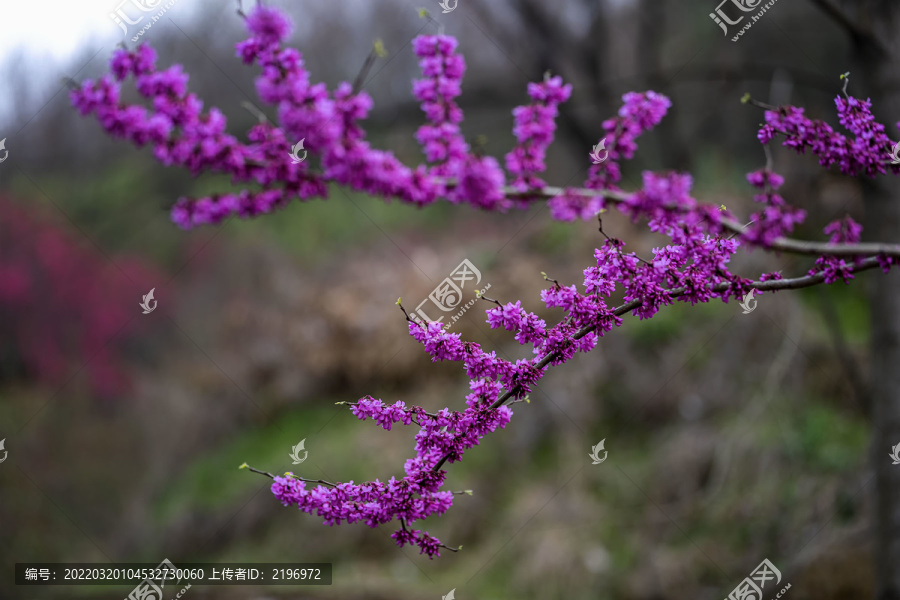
pixel 781 244
pixel 771 285
pixel 321 481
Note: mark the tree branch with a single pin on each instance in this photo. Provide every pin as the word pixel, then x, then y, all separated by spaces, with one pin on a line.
pixel 781 244
pixel 771 285
pixel 856 32
pixel 270 476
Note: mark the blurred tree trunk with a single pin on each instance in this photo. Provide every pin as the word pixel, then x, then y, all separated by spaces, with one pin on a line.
pixel 883 223
pixel 874 28
pixel 876 58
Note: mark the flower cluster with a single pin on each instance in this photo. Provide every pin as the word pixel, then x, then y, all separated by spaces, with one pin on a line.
pixel 327 122
pixel 866 154
pixel 534 127
pixel 441 139
pixel 777 218
pixel 373 503
pixel 842 231
pixel 385 416
pixel 639 113
pixel 417 495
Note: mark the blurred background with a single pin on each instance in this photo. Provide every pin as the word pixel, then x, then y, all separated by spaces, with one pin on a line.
pixel 732 438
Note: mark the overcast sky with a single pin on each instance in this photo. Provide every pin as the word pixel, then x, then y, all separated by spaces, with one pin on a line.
pixel 50 32
pixel 60 27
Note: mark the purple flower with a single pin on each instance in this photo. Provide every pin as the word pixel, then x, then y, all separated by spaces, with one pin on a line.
pixel 441 139
pixel 269 26
pixel 865 154
pixel 639 113
pixel 570 206
pixel 763 178
pixel 480 183
pixel 842 231
pixel 534 127
pixel 528 327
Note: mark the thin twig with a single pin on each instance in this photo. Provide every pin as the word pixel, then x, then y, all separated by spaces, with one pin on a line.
pixel 483 297
pixel 270 476
pixel 544 275
pixel 367 66
pixel 255 111
pixel 758 104
pixel 267 474
pixel 408 318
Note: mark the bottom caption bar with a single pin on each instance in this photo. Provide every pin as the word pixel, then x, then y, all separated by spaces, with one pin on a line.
pixel 151 578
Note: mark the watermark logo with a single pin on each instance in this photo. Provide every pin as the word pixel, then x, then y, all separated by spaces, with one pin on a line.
pixel 445 4
pixel 147 299
pixel 723 20
pixel 595 452
pixel 895 159
pixel 595 155
pixel 148 588
pixel 123 18
pixel 751 588
pixel 295 152
pixel 295 452
pixel 449 596
pixel 5 452
pixel 746 303
pixel 447 296
pixel 895 453
pixel 120 17
pixel 720 18
pixel 5 151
